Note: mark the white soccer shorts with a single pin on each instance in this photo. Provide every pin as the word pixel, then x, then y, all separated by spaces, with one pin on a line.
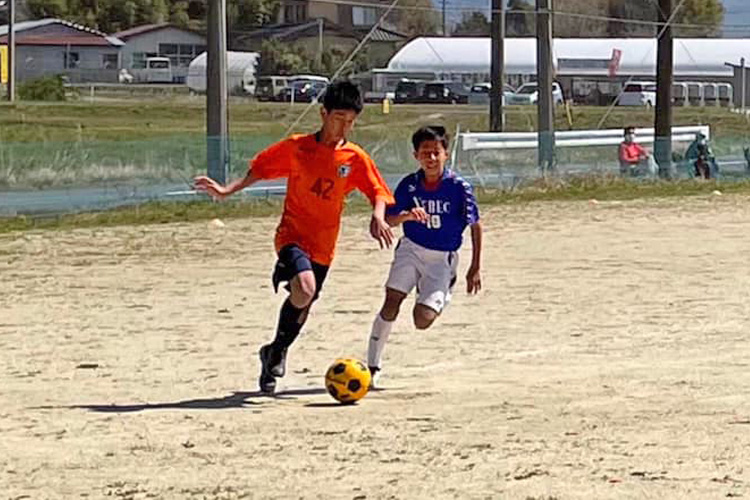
pixel 432 272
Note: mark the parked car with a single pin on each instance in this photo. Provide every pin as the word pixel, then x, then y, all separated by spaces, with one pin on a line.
pixel 480 93
pixel 408 91
pixel 638 94
pixel 445 92
pixel 528 93
pixel 158 70
pixel 309 78
pixel 304 91
pixel 270 88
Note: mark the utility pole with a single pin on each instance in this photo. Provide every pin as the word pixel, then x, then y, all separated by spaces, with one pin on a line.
pixel 12 51
pixel 545 78
pixel 664 77
pixel 497 66
pixel 216 91
pixel 743 85
pixel 320 45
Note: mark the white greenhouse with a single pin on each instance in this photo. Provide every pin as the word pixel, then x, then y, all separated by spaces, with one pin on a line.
pixel 576 60
pixel 241 68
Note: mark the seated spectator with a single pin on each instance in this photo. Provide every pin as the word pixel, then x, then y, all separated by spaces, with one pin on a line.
pixel 635 160
pixel 701 159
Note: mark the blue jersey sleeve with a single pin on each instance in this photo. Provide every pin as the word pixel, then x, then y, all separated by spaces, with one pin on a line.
pixel 403 200
pixel 471 209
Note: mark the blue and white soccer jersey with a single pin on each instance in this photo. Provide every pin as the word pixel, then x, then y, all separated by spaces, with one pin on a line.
pixel 427 255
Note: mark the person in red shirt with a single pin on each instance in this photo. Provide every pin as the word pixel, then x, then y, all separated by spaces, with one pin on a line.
pixel 321 170
pixel 634 158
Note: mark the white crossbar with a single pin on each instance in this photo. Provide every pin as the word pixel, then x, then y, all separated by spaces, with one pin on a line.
pixel 573 138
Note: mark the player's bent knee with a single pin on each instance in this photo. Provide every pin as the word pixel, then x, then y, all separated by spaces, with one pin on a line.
pixel 424 317
pixel 392 304
pixel 303 289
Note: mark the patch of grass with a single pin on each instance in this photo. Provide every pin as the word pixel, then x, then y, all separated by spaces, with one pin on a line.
pixel 601 188
pixel 606 188
pixel 147 213
pixel 83 144
pixel 135 120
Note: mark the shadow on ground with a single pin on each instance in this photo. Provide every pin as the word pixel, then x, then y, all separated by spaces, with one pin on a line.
pixel 234 400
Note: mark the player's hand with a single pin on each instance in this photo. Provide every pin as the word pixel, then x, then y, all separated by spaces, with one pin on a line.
pixel 209 186
pixel 381 231
pixel 418 214
pixel 473 281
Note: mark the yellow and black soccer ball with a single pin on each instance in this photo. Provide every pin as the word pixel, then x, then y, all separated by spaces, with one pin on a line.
pixel 348 380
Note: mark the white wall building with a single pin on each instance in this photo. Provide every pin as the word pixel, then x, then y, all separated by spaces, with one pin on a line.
pixel 575 59
pixel 181 46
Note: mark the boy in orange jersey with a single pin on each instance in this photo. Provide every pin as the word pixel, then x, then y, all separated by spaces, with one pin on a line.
pixel 321 169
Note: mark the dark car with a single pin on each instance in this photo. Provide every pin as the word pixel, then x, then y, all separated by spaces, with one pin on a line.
pixel 445 93
pixel 408 91
pixel 304 91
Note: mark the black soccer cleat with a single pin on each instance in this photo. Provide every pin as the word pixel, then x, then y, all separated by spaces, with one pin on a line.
pixel 273 363
pixel 267 381
pixel 274 360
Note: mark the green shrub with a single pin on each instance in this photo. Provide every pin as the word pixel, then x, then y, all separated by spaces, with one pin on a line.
pixel 50 88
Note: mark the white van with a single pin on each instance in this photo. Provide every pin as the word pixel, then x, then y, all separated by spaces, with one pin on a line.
pixel 158 70
pixel 528 93
pixel 638 94
pixel 269 88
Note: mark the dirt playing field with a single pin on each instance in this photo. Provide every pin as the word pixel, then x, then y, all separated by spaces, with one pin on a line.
pixel 607 357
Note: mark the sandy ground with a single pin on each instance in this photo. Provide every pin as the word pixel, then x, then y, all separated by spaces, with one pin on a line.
pixel 607 358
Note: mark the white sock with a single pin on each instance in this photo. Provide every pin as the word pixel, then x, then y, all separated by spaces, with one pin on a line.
pixel 381 329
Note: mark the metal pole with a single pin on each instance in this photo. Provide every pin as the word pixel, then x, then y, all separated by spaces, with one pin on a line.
pixel 743 85
pixel 216 92
pixel 545 78
pixel 497 66
pixel 664 77
pixel 12 51
pixel 320 44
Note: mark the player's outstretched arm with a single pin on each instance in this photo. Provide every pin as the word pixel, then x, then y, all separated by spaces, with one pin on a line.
pixel 379 228
pixel 473 275
pixel 212 188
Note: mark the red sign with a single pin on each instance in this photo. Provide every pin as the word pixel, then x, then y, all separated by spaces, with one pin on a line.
pixel 614 63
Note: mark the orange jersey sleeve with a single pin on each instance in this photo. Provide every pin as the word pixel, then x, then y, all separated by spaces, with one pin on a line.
pixel 275 162
pixel 367 178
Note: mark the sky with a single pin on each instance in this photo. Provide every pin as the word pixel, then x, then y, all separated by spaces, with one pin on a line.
pixel 737 12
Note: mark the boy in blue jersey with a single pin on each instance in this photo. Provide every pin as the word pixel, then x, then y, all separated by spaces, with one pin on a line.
pixel 435 205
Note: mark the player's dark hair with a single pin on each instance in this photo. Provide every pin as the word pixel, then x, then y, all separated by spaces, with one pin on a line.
pixel 629 129
pixel 430 133
pixel 343 95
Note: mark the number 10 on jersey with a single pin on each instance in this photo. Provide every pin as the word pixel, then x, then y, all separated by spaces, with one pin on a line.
pixel 433 222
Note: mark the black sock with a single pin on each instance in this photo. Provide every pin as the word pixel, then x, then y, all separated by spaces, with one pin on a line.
pixel 291 320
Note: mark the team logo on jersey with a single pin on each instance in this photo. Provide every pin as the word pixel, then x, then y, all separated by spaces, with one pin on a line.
pixel 412 188
pixel 344 170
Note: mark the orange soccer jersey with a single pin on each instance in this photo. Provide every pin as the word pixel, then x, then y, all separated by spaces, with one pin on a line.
pixel 319 178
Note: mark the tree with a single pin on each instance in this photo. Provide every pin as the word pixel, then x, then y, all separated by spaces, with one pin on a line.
pixel 519 21
pixel 473 24
pixel 179 16
pixel 708 14
pixel 580 18
pixel 416 18
pixel 632 10
pixel 47 8
pixel 278 58
pixel 252 13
